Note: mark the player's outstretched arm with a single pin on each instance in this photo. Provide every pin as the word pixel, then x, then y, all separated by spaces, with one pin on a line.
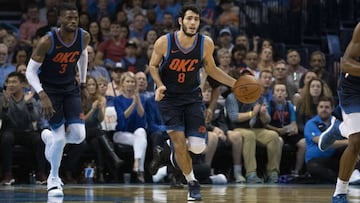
pixel 349 62
pixel 210 65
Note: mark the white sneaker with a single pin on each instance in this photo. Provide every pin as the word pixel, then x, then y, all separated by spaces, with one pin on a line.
pixel 54 187
pixel 240 179
pixel 55 199
pixel 47 139
pixel 355 177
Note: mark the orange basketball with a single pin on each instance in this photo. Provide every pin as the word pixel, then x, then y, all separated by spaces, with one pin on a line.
pixel 247 89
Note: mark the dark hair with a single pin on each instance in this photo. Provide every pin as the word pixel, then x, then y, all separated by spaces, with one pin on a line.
pixel 66 7
pixel 325 99
pixel 192 7
pixel 19 75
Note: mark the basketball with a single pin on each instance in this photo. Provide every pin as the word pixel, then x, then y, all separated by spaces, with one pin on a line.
pixel 247 89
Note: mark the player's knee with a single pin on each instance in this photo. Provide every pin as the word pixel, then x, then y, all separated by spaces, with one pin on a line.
pixel 77 134
pixel 196 145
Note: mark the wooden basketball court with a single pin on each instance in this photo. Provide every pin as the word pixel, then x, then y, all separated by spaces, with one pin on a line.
pixel 163 193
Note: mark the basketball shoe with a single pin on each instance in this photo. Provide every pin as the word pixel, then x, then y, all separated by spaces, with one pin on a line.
pixel 194 191
pixel 54 187
pixel 330 135
pixel 340 198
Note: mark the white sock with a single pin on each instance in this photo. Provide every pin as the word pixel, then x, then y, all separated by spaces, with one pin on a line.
pixel 57 148
pixel 341 187
pixel 190 177
pixel 237 170
pixel 160 174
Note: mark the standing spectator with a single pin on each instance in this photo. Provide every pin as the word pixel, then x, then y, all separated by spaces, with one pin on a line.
pixel 131 121
pixel 28 28
pixel 20 129
pixel 5 68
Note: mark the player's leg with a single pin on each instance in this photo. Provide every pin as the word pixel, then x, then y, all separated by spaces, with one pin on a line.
pixel 350 126
pixel 54 144
pixel 196 135
pixel 73 113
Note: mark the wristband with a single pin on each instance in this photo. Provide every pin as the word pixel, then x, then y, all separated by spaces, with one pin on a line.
pixel 250 114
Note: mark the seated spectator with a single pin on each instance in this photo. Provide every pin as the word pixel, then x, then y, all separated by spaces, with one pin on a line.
pixel 309 100
pixel 131 121
pixel 28 28
pixel 280 75
pixel 5 68
pixel 112 50
pixel 322 165
pixel 22 129
pixel 218 127
pixel 21 56
pixel 94 109
pixel 283 121
pixel 265 79
pixel 266 60
pixel 295 70
pixel 251 61
pixel 131 62
pixel 250 120
pixel 303 81
pixel 93 69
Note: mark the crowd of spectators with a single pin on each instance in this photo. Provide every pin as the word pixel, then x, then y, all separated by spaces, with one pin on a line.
pixel 121 108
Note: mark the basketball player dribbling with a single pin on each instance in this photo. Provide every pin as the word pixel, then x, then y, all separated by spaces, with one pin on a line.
pixel 349 97
pixel 51 72
pixel 174 66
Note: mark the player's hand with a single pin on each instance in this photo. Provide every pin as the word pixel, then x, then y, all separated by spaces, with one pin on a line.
pixel 46 105
pixel 84 94
pixel 159 93
pixel 208 115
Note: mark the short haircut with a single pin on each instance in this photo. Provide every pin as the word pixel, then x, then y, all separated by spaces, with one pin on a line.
pixel 66 7
pixel 191 7
pixel 327 99
pixel 19 75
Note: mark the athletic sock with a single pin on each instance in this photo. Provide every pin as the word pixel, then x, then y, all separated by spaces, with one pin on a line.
pixel 341 187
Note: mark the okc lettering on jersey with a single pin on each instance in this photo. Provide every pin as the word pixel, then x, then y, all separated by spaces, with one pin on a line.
pixel 64 58
pixel 182 66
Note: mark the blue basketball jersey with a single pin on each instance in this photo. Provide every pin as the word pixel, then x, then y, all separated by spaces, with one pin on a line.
pixel 180 67
pixel 349 93
pixel 58 69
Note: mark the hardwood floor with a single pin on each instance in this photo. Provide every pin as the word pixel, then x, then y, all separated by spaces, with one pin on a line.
pixel 162 193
